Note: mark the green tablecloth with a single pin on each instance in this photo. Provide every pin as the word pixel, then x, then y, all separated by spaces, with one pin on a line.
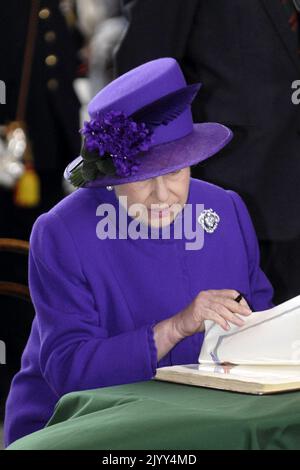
pixel 158 415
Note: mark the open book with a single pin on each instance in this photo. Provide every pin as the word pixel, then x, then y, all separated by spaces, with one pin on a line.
pixel 262 356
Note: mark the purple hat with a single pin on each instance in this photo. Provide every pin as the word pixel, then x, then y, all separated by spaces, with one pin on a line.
pixel 141 126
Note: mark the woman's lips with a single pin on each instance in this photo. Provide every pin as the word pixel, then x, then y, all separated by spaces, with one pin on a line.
pixel 160 213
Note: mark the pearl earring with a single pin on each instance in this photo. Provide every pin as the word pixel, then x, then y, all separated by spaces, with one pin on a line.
pixel 109 188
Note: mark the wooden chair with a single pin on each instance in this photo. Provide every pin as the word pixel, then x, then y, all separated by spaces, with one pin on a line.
pixel 14 289
pixel 18 308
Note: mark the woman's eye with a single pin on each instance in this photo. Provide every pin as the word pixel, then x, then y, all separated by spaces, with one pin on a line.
pixel 175 172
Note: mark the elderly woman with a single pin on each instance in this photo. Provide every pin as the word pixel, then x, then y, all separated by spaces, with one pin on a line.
pixel 118 288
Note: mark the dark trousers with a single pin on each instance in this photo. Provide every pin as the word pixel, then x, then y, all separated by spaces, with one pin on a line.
pixel 280 260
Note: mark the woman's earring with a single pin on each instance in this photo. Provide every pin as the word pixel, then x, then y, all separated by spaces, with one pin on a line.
pixel 109 188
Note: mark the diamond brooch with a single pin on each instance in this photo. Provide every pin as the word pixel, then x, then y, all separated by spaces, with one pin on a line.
pixel 209 220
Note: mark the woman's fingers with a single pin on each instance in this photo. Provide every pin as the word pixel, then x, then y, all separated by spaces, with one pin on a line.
pixel 235 307
pixel 227 314
pixel 244 302
pixel 215 317
pixel 230 294
pixel 221 307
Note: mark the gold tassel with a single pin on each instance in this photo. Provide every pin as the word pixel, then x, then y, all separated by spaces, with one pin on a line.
pixel 27 193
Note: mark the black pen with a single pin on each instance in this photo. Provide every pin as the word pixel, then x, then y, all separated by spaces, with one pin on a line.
pixel 239 298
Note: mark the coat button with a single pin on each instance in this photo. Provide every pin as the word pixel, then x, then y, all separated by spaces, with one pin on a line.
pixel 44 13
pixel 50 36
pixel 52 84
pixel 51 60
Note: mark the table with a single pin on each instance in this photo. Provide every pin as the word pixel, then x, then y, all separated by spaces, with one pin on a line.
pixel 167 416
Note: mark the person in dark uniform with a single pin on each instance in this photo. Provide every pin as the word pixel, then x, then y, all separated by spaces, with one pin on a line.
pixel 246 54
pixel 52 111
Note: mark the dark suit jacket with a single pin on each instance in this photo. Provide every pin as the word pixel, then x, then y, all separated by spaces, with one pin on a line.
pixel 52 113
pixel 245 54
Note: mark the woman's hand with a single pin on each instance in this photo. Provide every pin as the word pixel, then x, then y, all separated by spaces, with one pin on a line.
pixel 216 305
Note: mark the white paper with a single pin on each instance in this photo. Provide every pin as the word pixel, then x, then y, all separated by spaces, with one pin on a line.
pixel 267 337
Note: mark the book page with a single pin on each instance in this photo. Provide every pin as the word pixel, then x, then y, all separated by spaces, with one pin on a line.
pixel 257 373
pixel 267 337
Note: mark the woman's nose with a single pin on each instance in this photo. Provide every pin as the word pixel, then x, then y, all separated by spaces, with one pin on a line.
pixel 161 190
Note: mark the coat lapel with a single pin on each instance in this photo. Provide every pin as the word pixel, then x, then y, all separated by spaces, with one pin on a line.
pixel 275 11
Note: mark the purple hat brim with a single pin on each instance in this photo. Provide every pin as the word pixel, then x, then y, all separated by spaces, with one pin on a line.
pixel 204 141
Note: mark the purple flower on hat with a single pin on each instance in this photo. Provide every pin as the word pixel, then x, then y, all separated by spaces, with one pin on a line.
pixel 118 136
pixel 112 140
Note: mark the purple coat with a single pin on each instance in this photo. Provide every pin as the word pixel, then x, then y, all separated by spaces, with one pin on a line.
pixel 96 301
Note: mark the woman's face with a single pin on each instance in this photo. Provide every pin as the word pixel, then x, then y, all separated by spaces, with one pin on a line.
pixel 158 199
